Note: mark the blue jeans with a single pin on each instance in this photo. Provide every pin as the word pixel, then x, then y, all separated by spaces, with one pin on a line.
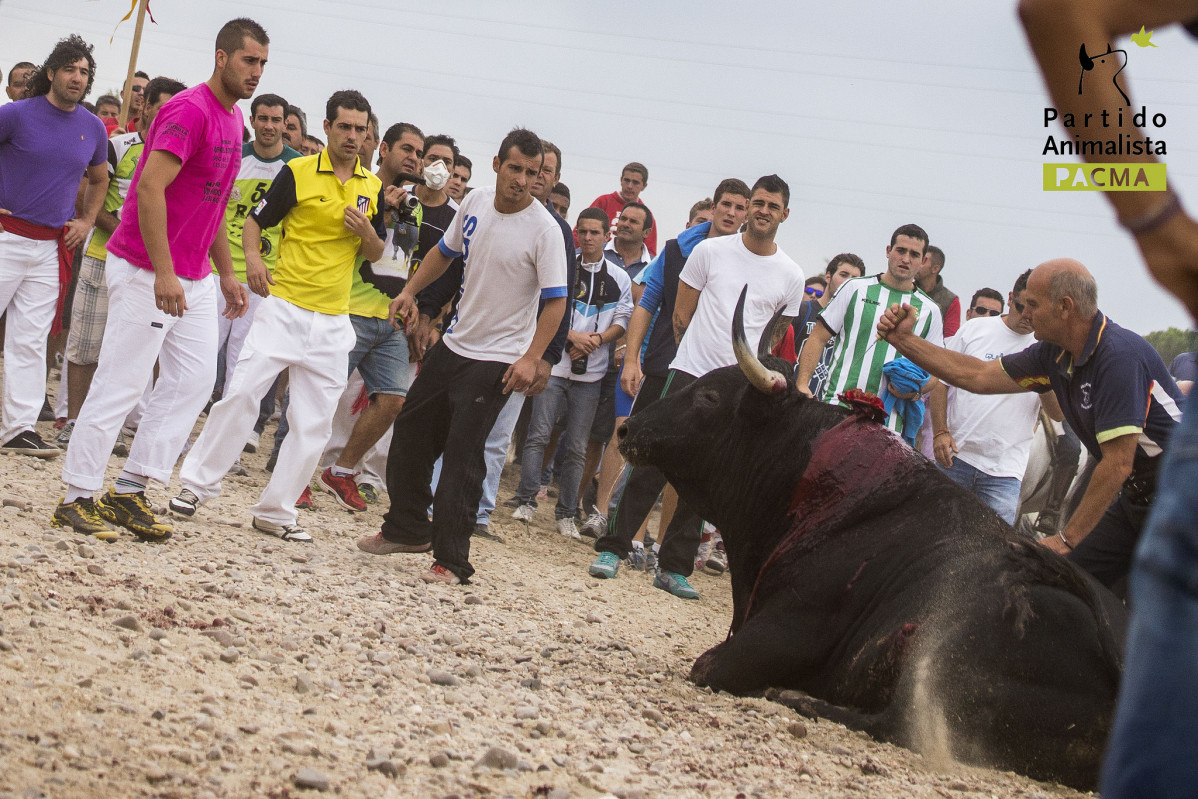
pixel 576 402
pixel 1001 494
pixel 1154 744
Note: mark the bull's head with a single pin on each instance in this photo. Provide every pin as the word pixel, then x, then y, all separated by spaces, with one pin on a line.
pixel 734 437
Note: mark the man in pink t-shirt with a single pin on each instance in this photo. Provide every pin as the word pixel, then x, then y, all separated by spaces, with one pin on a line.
pixel 633 180
pixel 161 306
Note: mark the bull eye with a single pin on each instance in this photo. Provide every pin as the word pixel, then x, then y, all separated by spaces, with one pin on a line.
pixel 707 398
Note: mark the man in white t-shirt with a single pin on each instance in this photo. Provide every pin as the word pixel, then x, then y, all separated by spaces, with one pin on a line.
pixel 990 434
pixel 708 289
pixel 511 247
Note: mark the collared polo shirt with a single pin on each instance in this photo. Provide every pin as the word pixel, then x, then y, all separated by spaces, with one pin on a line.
pixel 318 252
pixel 1119 386
pixel 631 269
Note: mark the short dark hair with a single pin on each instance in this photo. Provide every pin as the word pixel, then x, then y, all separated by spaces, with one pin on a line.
pixel 563 190
pixel 65 53
pixel 396 132
pixel 643 207
pixel 159 86
pixel 911 231
pixel 936 254
pixel 313 139
pixel 1021 282
pixel 444 141
pixel 140 74
pixel 298 113
pixel 349 99
pixel 374 120
pixel 524 140
pixel 20 65
pixel 703 205
pixel 852 259
pixel 108 99
pixel 233 33
pixel 774 185
pixel 636 166
pixel 550 147
pixel 597 214
pixel 270 101
pixel 462 160
pixel 814 279
pixel 989 294
pixel 731 186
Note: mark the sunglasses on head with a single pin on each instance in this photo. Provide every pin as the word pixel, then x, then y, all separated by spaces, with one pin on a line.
pixel 980 311
pixel 812 290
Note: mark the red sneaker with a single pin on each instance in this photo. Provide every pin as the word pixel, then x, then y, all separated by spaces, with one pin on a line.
pixel 440 574
pixel 343 489
pixel 305 500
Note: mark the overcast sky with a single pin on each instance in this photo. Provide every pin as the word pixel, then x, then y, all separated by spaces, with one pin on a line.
pixel 877 114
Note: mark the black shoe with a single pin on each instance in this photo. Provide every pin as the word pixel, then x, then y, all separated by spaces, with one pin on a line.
pixel 30 443
pixel 132 512
pixel 82 517
pixel 271 461
pixel 47 413
pixel 514 502
pixel 483 531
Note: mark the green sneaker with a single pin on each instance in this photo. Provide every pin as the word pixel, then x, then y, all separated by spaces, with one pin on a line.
pixel 132 512
pixel 368 493
pixel 81 516
pixel 605 566
pixel 676 584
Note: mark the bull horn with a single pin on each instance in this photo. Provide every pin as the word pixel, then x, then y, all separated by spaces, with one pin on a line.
pixel 767 381
pixel 767 335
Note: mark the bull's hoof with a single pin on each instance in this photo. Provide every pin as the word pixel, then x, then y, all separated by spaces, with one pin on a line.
pixel 802 703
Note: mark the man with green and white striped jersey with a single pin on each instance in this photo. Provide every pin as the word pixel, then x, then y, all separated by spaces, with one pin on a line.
pixel 853 314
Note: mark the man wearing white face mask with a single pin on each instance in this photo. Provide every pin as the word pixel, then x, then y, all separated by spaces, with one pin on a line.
pixel 437 208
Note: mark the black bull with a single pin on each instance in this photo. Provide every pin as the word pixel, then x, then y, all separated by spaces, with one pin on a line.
pixel 894 599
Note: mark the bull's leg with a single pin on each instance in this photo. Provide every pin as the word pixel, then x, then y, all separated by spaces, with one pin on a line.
pixel 771 649
pixel 875 724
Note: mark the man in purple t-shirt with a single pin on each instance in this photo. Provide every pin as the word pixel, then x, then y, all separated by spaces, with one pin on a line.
pixel 47 143
pixel 161 304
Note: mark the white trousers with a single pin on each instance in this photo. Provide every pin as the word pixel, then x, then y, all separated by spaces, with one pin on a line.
pixel 137 335
pixel 232 332
pixel 28 298
pixel 372 469
pixel 314 348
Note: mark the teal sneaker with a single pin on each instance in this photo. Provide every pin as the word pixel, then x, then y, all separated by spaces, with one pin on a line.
pixel 675 583
pixel 605 566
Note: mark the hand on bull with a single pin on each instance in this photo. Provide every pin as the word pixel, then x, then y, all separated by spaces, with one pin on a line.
pixel 900 320
pixel 945 447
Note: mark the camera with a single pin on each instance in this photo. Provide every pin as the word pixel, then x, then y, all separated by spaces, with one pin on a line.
pixel 578 366
pixel 405 212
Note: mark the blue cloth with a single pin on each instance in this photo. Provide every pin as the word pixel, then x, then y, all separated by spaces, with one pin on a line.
pixel 906 378
pixel 1153 749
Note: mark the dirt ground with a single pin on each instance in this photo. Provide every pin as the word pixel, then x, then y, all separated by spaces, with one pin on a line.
pixel 227 663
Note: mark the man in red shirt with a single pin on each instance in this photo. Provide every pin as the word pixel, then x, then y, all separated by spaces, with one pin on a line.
pixel 633 181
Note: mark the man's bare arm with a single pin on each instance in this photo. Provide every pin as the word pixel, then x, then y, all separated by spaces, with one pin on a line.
pixel 685 304
pixel 813 348
pixel 159 170
pixel 1118 457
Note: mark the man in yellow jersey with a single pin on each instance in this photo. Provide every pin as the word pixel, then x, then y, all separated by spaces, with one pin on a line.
pixel 261 161
pixel 89 310
pixel 329 206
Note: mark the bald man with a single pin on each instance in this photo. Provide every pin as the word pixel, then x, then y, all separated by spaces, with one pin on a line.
pixel 1114 389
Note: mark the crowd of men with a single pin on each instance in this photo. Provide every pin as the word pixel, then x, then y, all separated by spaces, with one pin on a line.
pixel 409 328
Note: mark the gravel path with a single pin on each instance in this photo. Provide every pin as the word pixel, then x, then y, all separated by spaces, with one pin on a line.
pixel 227 663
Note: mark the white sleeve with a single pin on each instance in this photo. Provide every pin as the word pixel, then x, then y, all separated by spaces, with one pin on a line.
pixel 550 257
pixel 695 272
pixel 833 315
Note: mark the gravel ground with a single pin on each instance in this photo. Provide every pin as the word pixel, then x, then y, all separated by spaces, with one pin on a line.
pixel 226 663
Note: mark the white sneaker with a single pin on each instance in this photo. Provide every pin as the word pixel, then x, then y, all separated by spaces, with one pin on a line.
pixel 252 444
pixel 566 527
pixel 524 513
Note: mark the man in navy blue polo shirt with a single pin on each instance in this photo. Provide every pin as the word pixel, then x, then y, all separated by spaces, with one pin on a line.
pixel 1115 391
